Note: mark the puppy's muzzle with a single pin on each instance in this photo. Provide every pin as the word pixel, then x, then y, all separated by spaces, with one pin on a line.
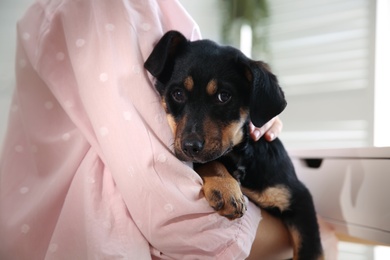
pixel 192 145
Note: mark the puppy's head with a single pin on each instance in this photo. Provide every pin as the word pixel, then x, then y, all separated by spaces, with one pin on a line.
pixel 210 92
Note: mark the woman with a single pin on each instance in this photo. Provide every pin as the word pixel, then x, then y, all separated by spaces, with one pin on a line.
pixel 87 170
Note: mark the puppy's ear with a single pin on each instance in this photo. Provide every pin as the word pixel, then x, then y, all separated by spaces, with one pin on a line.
pixel 267 98
pixel 161 61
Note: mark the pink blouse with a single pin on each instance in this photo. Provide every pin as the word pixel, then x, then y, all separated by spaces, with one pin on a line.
pixel 87 169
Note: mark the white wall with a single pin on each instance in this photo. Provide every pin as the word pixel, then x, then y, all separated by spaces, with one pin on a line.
pixel 207 15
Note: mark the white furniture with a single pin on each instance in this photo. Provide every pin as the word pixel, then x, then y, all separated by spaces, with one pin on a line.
pixel 351 189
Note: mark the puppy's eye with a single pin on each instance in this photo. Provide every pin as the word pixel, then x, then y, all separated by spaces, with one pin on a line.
pixel 223 97
pixel 178 95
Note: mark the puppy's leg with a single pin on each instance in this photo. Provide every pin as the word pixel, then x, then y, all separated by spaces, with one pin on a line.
pixel 301 220
pixel 221 190
pixel 297 211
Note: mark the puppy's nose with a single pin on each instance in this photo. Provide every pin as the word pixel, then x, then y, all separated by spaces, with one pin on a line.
pixel 192 146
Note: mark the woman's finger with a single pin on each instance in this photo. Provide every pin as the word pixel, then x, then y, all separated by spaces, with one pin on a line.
pixel 270 130
pixel 274 130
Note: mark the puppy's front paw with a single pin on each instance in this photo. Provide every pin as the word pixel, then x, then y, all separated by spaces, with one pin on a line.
pixel 225 196
pixel 221 190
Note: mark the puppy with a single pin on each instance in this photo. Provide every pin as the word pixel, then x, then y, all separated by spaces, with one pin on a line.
pixel 210 94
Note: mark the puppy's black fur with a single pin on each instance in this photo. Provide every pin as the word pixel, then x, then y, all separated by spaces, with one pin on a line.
pixel 211 93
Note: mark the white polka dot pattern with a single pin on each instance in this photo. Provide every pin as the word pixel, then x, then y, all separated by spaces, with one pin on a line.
pixel 53 248
pixel 19 148
pixel 26 36
pixel 103 131
pixel 80 43
pixel 110 27
pixel 24 190
pixel 103 77
pixel 25 229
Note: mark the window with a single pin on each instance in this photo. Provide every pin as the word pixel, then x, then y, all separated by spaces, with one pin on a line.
pixel 323 52
pixel 331 58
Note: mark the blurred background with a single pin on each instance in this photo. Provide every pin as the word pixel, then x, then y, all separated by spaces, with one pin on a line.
pixel 331 56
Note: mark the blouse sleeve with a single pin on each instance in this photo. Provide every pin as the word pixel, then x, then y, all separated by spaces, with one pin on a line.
pixel 88 166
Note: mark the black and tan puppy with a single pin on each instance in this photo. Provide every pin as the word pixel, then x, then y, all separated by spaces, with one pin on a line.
pixel 211 93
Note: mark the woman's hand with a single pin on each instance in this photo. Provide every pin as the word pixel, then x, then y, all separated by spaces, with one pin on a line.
pixel 270 130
